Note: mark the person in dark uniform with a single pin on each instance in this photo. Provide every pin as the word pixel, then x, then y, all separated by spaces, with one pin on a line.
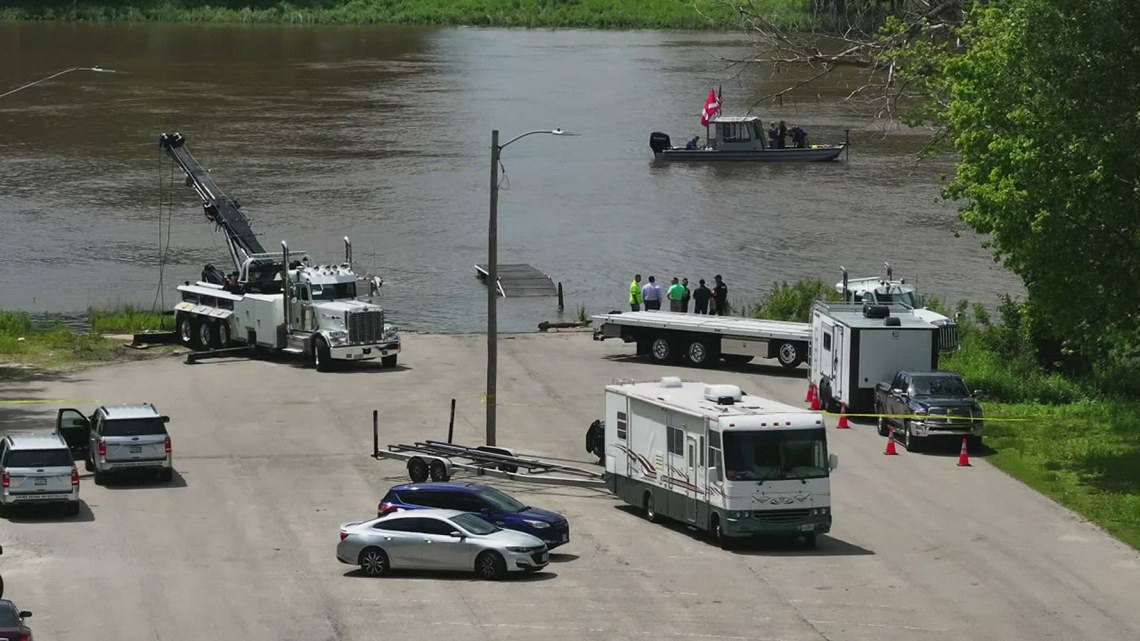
pixel 720 295
pixel 701 296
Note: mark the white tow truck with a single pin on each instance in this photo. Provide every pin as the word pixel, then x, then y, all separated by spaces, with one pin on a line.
pixel 701 340
pixel 275 301
pixel 717 459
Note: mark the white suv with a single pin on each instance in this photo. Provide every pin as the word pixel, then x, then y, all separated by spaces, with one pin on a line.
pixel 120 438
pixel 38 469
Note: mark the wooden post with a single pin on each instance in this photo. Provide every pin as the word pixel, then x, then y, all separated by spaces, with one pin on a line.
pixel 560 305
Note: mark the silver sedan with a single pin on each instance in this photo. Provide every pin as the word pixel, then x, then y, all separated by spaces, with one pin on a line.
pixel 439 540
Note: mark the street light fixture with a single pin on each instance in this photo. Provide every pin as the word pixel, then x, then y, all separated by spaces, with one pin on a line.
pixel 56 75
pixel 493 275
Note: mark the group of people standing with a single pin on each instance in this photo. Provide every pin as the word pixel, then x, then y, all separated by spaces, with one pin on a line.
pixel 778 136
pixel 705 301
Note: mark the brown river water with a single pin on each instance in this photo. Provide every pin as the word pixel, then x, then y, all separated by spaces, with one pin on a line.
pixel 383 134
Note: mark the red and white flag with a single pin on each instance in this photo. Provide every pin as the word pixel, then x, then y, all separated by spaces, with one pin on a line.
pixel 712 108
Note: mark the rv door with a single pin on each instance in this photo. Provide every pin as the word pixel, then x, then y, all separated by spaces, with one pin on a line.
pixel 692 451
pixel 840 365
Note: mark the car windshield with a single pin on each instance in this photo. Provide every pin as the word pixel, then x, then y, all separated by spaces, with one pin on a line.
pixel 474 524
pixel 9 618
pixel 134 427
pixel 939 386
pixel 775 455
pixel 500 501
pixel 333 291
pixel 39 458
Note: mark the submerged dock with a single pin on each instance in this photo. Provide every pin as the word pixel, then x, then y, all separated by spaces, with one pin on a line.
pixel 519 280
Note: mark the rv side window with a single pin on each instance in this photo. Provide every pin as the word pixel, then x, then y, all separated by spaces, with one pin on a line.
pixel 701 452
pixel 676 441
pixel 621 426
pixel 827 342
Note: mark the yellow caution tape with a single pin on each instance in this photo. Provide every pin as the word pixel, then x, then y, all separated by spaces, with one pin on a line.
pixel 919 417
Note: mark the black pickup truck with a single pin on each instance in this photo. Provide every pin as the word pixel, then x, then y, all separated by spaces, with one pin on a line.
pixel 928 406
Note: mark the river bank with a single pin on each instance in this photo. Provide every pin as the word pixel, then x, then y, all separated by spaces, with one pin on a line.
pixel 597 14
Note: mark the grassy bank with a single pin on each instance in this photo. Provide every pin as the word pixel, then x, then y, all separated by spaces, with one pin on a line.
pixel 49 342
pixel 611 14
pixel 1080 441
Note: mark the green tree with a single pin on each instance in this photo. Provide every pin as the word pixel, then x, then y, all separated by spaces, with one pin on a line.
pixel 1044 109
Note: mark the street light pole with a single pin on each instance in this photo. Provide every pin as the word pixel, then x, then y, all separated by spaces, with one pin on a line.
pixel 56 75
pixel 493 276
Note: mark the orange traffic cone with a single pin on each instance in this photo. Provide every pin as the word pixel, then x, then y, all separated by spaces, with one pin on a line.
pixel 891 451
pixel 843 418
pixel 810 393
pixel 814 398
pixel 964 456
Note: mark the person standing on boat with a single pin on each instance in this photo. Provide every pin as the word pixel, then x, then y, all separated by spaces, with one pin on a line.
pixel 782 136
pixel 635 294
pixel 720 295
pixel 687 295
pixel 694 143
pixel 652 294
pixel 675 293
pixel 701 297
pixel 773 136
pixel 799 137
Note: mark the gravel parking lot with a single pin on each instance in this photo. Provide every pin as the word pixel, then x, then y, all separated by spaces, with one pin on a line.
pixel 272 457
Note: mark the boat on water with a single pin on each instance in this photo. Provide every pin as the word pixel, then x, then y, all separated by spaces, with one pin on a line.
pixel 740 139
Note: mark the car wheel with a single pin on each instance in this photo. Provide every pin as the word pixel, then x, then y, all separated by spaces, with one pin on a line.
pixel 909 441
pixel 72 509
pixel 490 566
pixel 322 360
pixel 417 470
pixel 650 509
pixel 88 464
pixel 99 477
pixel 373 562
pixel 883 427
pixel 166 475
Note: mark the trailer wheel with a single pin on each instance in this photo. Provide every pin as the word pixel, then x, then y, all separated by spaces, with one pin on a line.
pixel 417 470
pixel 790 354
pixel 438 470
pixel 700 353
pixel 661 349
pixel 186 332
pixel 223 334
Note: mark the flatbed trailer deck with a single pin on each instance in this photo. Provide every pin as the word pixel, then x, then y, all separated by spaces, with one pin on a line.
pixel 703 341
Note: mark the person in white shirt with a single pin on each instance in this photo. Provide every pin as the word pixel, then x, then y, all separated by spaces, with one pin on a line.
pixel 651 294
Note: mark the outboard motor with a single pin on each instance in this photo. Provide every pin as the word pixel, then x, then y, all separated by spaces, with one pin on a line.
pixel 659 142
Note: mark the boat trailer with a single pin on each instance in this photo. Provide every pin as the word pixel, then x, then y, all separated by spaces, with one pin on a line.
pixel 438 460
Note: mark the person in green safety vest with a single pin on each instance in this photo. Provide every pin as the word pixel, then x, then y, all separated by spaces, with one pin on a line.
pixel 635 294
pixel 676 294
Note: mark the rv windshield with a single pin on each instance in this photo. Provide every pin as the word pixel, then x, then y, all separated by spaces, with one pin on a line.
pixel 771 455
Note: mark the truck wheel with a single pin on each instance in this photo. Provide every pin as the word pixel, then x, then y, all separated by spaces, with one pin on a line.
pixel 186 328
pixel 790 354
pixel 810 541
pixel 204 335
pixel 700 353
pixel 322 360
pixel 909 441
pixel 223 334
pixel 883 426
pixel 662 350
pixel 388 361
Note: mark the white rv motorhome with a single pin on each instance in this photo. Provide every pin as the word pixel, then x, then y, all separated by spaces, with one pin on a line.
pixel 720 460
pixel 854 347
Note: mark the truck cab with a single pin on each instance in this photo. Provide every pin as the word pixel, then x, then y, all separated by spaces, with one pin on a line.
pixel 875 290
pixel 926 406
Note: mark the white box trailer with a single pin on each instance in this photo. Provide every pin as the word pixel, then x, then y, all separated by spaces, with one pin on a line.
pixel 713 457
pixel 703 341
pixel 854 347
